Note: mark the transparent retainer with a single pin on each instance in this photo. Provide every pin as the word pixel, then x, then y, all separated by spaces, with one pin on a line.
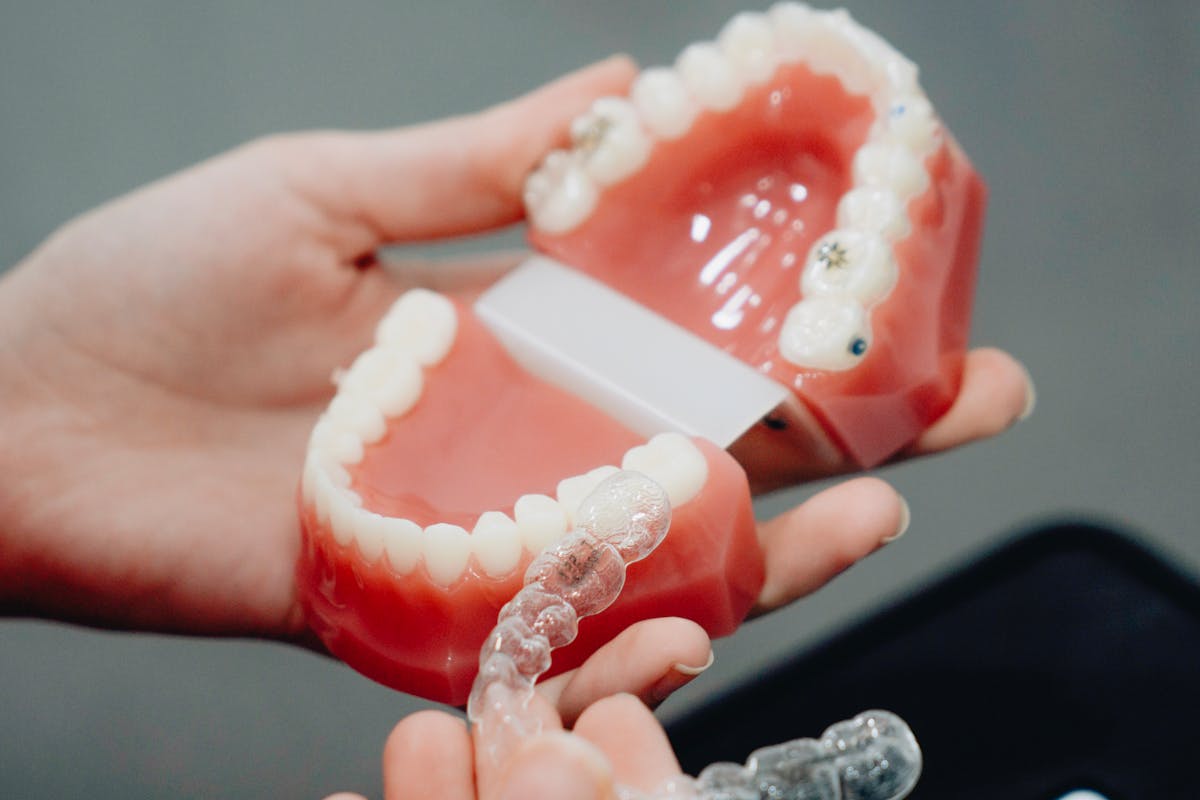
pixel 871 757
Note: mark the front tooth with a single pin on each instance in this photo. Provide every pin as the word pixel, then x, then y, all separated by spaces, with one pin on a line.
pixel 817 39
pixel 825 333
pixel 422 323
pixel 663 102
pixel 875 209
pixel 560 195
pixel 446 549
pixel 571 491
pixel 354 414
pixel 386 376
pixel 709 76
pixel 540 520
pixel 402 541
pixel 323 491
pixel 496 543
pixel 890 165
pixel 611 140
pixel 342 506
pixel 850 262
pixel 674 462
pixel 749 43
pixel 368 533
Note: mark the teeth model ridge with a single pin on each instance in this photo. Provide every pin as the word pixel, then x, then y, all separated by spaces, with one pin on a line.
pixel 871 757
pixel 888 169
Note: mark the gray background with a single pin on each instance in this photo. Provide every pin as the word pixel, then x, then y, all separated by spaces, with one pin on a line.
pixel 1082 115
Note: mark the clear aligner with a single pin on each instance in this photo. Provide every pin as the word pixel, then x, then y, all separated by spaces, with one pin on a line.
pixel 871 757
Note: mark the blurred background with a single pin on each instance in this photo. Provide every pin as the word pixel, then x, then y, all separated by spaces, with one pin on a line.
pixel 1081 114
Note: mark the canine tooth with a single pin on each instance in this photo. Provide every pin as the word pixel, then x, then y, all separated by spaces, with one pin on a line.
pixel 388 377
pixel 663 102
pixel 876 209
pixel 560 195
pixel 540 520
pixel 421 322
pixel 674 462
pixel 571 491
pixel 911 120
pixel 402 541
pixel 851 262
pixel 891 165
pixel 749 43
pixel 828 332
pixel 343 447
pixel 352 413
pixel 709 76
pixel 342 505
pixel 368 533
pixel 446 549
pixel 611 140
pixel 496 543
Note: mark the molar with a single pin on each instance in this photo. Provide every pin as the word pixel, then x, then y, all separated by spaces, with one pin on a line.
pixel 709 76
pixel 422 323
pixel 829 332
pixel 611 140
pixel 850 262
pixel 561 194
pixel 892 165
pixel 875 209
pixel 446 549
pixel 673 462
pixel 496 543
pixel 663 102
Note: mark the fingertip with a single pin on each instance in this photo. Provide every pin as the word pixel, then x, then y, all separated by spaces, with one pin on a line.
pixel 428 754
pixel 631 738
pixel 558 765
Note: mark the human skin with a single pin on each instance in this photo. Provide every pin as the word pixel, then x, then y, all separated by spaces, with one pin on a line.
pixel 165 356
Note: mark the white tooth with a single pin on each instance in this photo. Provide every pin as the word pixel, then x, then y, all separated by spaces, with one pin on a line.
pixel 749 43
pixel 560 195
pixel 422 323
pixel 308 481
pixel 323 490
pixel 341 446
pixel 709 76
pixel 674 462
pixel 825 333
pixel 342 505
pixel 851 262
pixel 892 72
pixel 876 209
pixel 354 414
pixel 818 39
pixel 611 140
pixel 540 520
pixel 890 165
pixel 446 549
pixel 337 475
pixel 571 491
pixel 496 543
pixel 402 541
pixel 910 119
pixel 663 103
pixel 387 377
pixel 368 533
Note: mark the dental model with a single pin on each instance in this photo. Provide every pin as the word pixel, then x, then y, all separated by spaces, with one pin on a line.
pixel 871 757
pixel 765 255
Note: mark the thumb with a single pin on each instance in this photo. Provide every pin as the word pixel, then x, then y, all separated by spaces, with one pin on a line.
pixel 557 766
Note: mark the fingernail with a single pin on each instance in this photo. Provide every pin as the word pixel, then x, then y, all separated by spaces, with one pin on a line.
pixel 558 765
pixel 678 676
pixel 1030 398
pixel 905 520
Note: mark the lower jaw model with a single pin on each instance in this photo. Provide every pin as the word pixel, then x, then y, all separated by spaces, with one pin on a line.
pixel 784 194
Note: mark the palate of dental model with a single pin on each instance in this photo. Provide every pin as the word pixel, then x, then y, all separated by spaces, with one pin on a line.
pixel 871 757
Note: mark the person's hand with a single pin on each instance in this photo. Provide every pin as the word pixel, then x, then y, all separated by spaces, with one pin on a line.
pixel 615 737
pixel 164 358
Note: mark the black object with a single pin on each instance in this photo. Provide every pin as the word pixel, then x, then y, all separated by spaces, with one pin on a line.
pixel 1067 659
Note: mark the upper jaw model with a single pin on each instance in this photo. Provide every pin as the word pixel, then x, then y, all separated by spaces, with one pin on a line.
pixel 785 195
